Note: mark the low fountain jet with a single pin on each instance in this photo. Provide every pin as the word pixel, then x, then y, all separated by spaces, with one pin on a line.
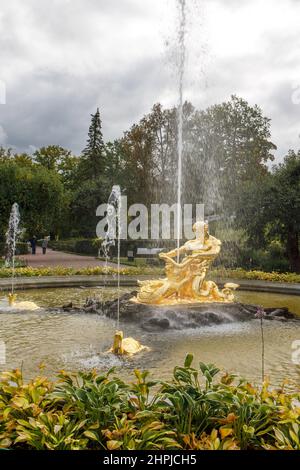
pixel 12 236
pixel 121 346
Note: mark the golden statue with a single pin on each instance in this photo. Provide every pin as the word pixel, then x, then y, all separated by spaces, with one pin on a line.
pixel 126 346
pixel 185 279
pixel 11 299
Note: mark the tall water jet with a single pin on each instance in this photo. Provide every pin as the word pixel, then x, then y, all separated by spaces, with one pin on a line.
pixel 181 69
pixel 113 232
pixel 12 235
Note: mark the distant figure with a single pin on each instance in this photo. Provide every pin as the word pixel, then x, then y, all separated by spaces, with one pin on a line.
pixel 45 244
pixel 32 242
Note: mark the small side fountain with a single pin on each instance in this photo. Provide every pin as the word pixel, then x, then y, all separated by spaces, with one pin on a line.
pixel 121 346
pixel 12 236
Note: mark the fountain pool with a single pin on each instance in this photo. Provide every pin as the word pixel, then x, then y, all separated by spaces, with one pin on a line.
pixel 79 341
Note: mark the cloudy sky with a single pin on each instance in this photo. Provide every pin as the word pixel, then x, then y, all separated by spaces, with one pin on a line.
pixel 62 58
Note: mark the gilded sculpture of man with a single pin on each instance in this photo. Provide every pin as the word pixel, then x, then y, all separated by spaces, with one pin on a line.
pixel 185 279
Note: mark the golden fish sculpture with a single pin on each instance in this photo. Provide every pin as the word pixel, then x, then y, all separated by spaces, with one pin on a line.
pixel 126 346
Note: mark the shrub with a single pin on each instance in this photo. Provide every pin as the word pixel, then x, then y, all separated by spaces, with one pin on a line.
pixel 198 409
pixel 80 246
pixel 21 248
pixel 29 271
pixel 240 273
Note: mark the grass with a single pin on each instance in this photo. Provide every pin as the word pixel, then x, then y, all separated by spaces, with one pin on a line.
pixel 198 409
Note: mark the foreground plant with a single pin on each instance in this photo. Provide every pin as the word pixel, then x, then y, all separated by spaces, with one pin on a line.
pixel 199 409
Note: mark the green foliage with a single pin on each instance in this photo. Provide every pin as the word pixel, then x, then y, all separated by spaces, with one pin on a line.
pixel 227 148
pixel 128 435
pixel 92 163
pixel 269 209
pixel 83 246
pixel 197 409
pixel 29 271
pixel 85 200
pixel 21 248
pixel 39 193
pixel 136 270
pixel 61 161
pixel 240 273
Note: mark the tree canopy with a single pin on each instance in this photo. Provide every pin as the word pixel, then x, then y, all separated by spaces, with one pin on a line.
pixel 227 150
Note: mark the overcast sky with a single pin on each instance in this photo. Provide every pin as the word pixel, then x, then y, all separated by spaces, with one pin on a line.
pixel 60 59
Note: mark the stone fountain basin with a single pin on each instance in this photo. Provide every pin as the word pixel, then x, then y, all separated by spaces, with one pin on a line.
pixel 158 317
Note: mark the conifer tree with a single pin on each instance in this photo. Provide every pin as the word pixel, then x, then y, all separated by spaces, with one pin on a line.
pixel 93 163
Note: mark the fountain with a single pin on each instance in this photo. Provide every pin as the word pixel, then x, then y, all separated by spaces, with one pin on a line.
pixel 184 298
pixel 12 236
pixel 121 346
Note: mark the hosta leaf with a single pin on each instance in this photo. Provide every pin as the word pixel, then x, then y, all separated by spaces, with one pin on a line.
pixel 279 435
pixel 57 428
pixel 6 412
pixel 294 437
pixel 20 402
pixel 188 360
pixel 6 442
pixel 113 445
pixel 92 435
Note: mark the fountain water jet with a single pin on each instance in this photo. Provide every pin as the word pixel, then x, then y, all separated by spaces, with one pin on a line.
pixel 180 117
pixel 121 346
pixel 113 232
pixel 12 236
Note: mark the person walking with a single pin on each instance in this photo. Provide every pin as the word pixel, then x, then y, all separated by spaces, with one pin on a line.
pixel 32 242
pixel 45 244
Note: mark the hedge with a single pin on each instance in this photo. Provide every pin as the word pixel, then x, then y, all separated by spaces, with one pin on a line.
pixel 80 246
pixel 21 249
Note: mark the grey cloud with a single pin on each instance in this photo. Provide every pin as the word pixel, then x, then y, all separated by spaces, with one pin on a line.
pixel 62 60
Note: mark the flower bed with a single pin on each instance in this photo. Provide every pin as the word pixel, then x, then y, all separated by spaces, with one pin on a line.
pixel 198 409
pixel 29 271
pixel 240 273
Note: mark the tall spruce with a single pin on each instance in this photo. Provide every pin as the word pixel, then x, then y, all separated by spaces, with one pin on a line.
pixel 93 161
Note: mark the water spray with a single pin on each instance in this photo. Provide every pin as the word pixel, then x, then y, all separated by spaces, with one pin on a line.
pixel 182 25
pixel 12 235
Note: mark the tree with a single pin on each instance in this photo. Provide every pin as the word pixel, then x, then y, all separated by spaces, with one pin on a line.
pixel 23 159
pixel 89 195
pixel 50 156
pixel 93 156
pixel 60 160
pixel 39 193
pixel 149 156
pixel 225 146
pixel 115 164
pixel 5 154
pixel 270 208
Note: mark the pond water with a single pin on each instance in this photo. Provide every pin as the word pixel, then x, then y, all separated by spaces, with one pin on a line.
pixel 80 341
